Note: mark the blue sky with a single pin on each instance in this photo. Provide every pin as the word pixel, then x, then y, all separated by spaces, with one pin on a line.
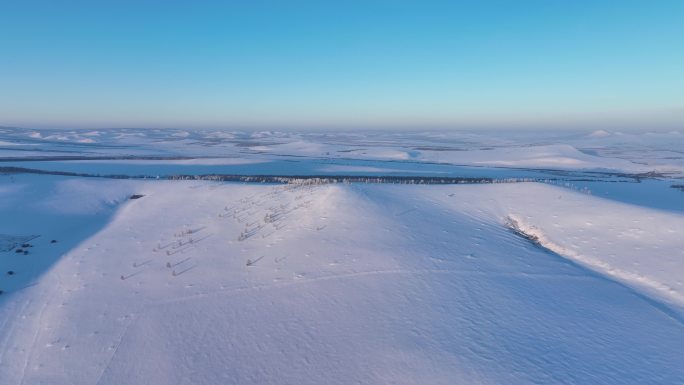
pixel 280 64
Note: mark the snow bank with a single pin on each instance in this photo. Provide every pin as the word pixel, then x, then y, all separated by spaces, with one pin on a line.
pixel 638 246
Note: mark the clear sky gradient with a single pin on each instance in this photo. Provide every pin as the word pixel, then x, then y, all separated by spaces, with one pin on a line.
pixel 279 64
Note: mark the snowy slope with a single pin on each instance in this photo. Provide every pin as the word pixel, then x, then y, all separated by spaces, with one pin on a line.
pixel 200 283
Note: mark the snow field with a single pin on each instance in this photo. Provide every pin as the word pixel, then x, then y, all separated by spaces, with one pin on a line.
pixel 203 283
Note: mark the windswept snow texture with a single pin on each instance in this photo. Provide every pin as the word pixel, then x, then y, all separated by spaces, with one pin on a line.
pixel 200 283
pixel 146 281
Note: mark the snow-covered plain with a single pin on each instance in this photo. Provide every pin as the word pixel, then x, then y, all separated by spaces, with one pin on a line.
pixel 199 282
pixel 628 152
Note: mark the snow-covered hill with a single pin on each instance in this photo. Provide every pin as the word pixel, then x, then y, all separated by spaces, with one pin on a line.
pixel 202 283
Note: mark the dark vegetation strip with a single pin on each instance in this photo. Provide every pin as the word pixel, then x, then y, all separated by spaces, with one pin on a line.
pixel 79 157
pixel 342 179
pixel 279 179
pixel 282 179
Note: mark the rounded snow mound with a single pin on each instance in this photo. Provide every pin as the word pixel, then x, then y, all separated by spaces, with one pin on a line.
pixel 599 134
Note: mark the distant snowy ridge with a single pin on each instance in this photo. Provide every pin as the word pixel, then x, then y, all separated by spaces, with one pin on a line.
pixel 600 150
pixel 599 134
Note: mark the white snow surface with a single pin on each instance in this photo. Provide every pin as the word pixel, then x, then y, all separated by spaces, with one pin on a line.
pixel 627 152
pixel 557 156
pixel 193 161
pixel 202 283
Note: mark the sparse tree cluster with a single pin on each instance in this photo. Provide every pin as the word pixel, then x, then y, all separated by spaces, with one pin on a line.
pixel 321 180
